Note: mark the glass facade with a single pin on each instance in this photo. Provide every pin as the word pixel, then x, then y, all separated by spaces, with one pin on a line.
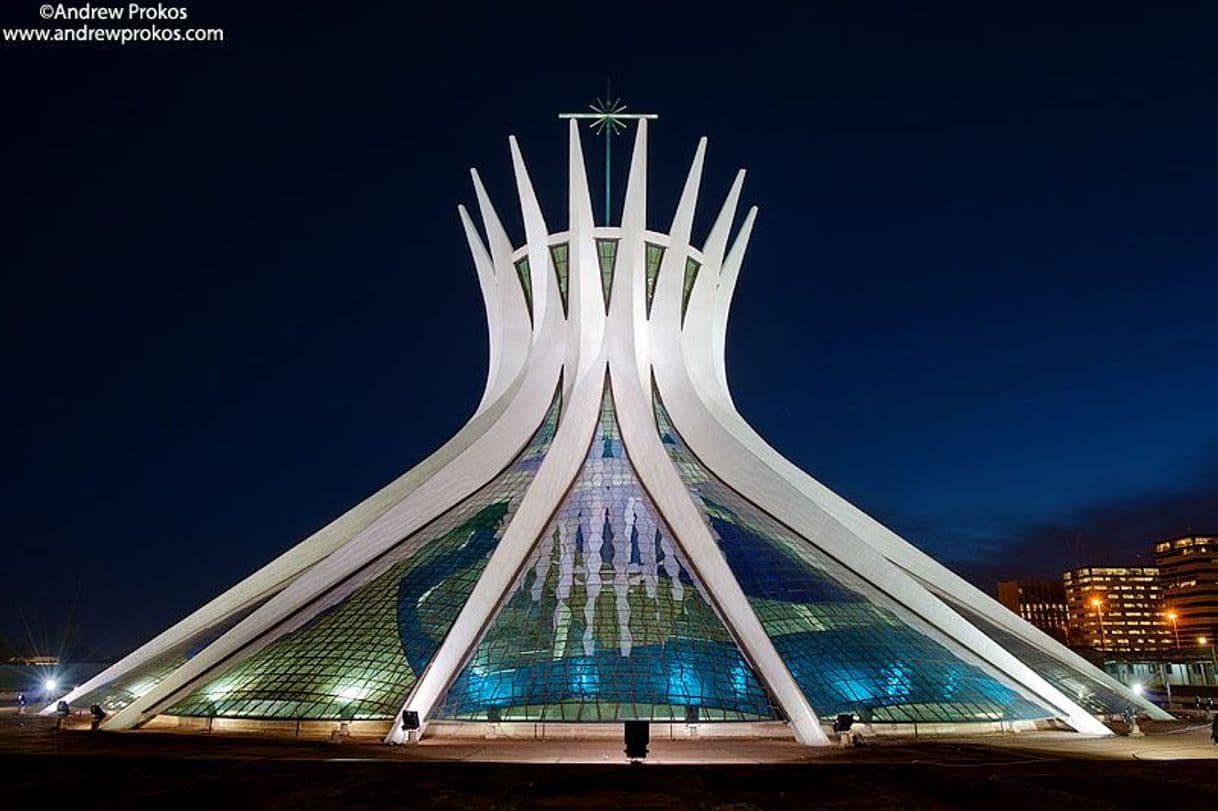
pixel 559 256
pixel 692 266
pixel 120 692
pixel 607 621
pixel 606 252
pixel 655 255
pixel 360 652
pixel 850 648
pixel 526 284
pixel 1089 693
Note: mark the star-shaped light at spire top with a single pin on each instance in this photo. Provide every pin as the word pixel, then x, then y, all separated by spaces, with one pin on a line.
pixel 609 116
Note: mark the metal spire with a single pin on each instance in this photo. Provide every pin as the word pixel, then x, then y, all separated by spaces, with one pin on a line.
pixel 608 117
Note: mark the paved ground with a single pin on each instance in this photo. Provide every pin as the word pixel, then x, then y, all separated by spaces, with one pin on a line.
pixel 1174 768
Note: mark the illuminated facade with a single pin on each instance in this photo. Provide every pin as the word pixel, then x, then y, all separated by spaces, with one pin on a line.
pixel 1188 568
pixel 1041 602
pixel 1116 608
pixel 605 540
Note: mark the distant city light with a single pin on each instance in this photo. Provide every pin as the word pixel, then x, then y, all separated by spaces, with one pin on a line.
pixel 1202 641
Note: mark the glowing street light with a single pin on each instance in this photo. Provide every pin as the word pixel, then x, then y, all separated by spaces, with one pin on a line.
pixel 1173 617
pixel 1138 688
pixel 50 684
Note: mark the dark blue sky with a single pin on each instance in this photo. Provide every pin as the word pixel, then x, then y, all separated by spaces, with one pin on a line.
pixel 980 300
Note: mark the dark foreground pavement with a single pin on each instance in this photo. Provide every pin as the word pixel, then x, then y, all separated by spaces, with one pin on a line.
pixel 39 767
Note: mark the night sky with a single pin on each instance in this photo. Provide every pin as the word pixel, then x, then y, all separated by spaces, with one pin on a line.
pixel 981 300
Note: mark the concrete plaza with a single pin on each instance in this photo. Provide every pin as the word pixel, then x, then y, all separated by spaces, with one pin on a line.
pixel 1172 767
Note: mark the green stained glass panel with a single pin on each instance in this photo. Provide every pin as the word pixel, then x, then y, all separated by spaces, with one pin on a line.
pixel 606 252
pixel 655 255
pixel 692 267
pixel 559 256
pixel 360 651
pixel 526 284
pixel 123 690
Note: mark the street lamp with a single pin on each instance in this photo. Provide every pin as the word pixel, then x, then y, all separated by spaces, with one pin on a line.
pixel 1098 605
pixel 1173 617
pixel 1203 642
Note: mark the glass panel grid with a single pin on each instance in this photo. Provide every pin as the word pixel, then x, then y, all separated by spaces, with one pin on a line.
pixel 655 254
pixel 120 692
pixel 606 252
pixel 559 256
pixel 692 266
pixel 1090 693
pixel 849 647
pixel 361 653
pixel 526 284
pixel 607 621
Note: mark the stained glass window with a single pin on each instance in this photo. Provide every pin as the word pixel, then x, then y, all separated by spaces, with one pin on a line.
pixel 692 266
pixel 359 654
pixel 655 254
pixel 848 646
pixel 1091 694
pixel 606 251
pixel 558 255
pixel 121 691
pixel 526 284
pixel 607 621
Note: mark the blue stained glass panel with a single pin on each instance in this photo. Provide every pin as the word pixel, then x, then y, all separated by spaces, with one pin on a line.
pixel 1092 694
pixel 848 646
pixel 607 621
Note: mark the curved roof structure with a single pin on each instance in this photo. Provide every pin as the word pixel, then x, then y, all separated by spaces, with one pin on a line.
pixel 606 539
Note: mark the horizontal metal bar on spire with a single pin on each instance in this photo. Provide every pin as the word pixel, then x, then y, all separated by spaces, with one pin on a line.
pixel 604 115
